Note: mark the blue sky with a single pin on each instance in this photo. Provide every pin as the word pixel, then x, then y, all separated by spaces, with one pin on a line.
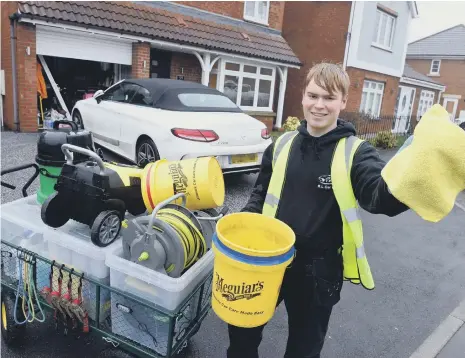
pixel 436 16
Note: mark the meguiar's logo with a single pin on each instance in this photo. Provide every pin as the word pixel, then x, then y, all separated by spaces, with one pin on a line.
pixel 238 292
pixel 180 180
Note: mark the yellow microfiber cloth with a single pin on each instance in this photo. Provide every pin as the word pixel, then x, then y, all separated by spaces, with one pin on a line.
pixel 428 174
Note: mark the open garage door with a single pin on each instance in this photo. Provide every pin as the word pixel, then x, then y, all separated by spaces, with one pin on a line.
pixel 82 45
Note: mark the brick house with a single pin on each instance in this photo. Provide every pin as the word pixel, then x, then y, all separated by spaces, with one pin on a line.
pixel 368 39
pixel 441 57
pixel 236 47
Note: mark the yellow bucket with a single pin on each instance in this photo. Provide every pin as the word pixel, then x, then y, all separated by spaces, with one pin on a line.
pixel 201 179
pixel 252 252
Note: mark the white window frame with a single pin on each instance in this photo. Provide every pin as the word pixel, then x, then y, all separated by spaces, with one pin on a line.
pixel 375 91
pixel 378 42
pixel 421 106
pixel 432 65
pixel 255 17
pixel 241 74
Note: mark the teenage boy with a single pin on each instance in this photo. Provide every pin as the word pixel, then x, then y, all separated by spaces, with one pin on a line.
pixel 303 195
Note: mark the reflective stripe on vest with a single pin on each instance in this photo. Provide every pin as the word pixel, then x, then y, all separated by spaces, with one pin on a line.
pixel 281 143
pixel 356 267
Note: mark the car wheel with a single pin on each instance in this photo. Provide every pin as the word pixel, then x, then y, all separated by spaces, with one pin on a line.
pixel 146 152
pixel 77 118
pixel 462 125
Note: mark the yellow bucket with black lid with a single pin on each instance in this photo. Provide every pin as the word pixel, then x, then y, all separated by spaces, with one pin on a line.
pixel 252 252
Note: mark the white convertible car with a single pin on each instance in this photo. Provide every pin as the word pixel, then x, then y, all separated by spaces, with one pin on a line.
pixel 149 119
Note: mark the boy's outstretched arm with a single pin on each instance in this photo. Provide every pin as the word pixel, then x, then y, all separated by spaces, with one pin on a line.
pixel 369 187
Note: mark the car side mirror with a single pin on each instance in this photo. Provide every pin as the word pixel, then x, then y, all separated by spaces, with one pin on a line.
pixel 98 93
pixel 97 96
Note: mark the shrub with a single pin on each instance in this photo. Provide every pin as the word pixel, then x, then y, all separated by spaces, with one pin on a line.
pixel 291 124
pixel 384 139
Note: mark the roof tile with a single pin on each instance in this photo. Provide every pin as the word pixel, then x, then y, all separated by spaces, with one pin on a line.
pixel 409 72
pixel 450 42
pixel 153 22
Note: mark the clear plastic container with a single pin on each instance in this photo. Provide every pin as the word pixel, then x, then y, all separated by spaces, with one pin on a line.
pixel 21 222
pixel 155 287
pixel 71 245
pixel 144 325
pixel 21 225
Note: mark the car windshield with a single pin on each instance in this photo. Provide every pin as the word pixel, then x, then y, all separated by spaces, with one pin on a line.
pixel 205 100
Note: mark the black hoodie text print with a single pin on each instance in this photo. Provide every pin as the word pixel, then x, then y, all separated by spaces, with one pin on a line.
pixel 324 182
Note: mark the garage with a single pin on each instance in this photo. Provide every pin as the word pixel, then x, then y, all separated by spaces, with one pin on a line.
pixel 68 50
pixel 73 65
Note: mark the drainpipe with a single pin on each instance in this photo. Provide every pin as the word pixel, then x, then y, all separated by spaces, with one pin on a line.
pixel 13 18
pixel 349 35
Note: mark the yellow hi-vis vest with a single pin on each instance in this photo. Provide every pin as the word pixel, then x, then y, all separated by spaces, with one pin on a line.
pixel 356 267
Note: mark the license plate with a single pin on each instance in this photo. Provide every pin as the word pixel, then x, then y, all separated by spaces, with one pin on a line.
pixel 243 158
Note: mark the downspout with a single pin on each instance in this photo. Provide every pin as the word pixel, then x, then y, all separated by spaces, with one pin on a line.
pixel 13 18
pixel 349 34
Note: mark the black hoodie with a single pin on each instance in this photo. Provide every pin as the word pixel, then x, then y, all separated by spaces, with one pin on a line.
pixel 308 204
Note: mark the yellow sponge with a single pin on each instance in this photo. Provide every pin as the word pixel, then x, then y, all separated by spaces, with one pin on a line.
pixel 428 174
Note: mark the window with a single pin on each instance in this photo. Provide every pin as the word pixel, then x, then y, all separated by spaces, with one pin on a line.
pixel 384 29
pixel 205 100
pixel 115 94
pixel 435 66
pixel 248 86
pixel 122 93
pixel 426 101
pixel 257 11
pixel 142 97
pixel 372 97
pixel 130 91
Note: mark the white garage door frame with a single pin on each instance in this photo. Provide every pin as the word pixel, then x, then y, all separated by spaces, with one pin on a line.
pixel 67 43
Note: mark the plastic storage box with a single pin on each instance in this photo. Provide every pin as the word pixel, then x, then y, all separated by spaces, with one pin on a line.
pixel 71 245
pixel 21 221
pixel 21 225
pixel 157 288
pixel 147 327
pixel 140 323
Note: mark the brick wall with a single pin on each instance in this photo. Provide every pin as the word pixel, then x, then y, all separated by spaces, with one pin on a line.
pixel 268 120
pixel 235 9
pixel 25 72
pixel 385 123
pixel 140 53
pixel 7 8
pixel 316 32
pixel 452 75
pixel 276 15
pixel 186 65
pixel 391 88
pixel 27 82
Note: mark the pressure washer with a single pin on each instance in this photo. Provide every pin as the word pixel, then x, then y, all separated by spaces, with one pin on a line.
pixel 95 193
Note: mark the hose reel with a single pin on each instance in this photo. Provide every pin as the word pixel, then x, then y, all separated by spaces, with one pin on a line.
pixel 172 238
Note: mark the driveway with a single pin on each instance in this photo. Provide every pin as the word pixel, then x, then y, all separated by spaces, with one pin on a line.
pixel 418 269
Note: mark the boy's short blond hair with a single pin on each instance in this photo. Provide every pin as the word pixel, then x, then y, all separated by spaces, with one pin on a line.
pixel 331 77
